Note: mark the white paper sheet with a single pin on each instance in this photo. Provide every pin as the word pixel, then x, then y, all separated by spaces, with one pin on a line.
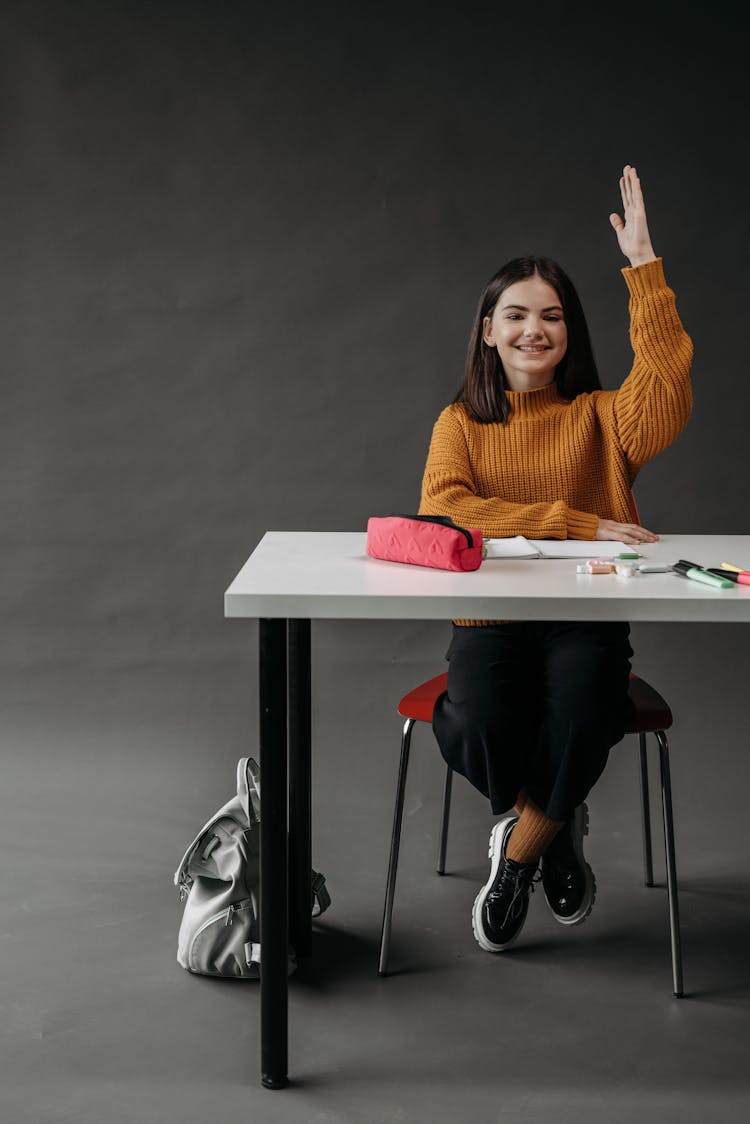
pixel 521 547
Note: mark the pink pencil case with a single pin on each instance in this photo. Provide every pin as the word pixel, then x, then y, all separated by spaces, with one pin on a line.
pixel 424 540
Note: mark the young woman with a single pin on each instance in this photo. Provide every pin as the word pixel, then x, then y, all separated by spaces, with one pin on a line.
pixel 532 445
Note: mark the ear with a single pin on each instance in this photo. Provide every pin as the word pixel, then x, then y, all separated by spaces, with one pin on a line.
pixel 487 334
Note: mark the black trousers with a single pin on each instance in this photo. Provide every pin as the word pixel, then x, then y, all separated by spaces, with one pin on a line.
pixel 534 705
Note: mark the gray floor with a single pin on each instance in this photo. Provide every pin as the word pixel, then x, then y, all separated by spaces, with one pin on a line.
pixel 108 774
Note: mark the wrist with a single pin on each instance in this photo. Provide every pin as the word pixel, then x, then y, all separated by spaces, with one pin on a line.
pixel 642 259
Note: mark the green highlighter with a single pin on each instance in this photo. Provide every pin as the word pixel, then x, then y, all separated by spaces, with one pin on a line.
pixel 698 574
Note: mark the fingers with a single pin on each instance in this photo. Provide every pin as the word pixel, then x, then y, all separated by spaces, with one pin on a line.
pixel 632 199
pixel 630 533
pixel 636 533
pixel 619 533
pixel 640 532
pixel 632 540
pixel 630 187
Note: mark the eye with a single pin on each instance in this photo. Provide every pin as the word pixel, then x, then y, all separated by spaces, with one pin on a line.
pixel 513 316
pixel 553 317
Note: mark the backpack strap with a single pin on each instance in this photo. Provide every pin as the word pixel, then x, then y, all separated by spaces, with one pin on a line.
pixel 252 953
pixel 321 897
pixel 248 788
pixel 248 792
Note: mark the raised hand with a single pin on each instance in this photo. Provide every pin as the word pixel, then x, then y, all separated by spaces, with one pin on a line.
pixel 632 234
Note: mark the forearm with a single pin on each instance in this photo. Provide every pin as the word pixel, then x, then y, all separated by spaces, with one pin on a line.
pixel 499 518
pixel 654 402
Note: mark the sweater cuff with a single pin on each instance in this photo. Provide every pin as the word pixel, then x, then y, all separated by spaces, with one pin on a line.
pixel 644 279
pixel 582 524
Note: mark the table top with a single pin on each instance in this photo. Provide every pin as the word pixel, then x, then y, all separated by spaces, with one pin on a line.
pixel 327 575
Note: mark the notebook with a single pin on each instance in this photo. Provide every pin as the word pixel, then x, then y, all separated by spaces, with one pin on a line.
pixel 521 547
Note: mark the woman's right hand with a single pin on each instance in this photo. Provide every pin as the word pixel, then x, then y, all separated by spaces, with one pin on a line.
pixel 632 234
pixel 630 533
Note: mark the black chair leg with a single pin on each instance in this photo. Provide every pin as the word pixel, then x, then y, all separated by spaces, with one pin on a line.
pixel 669 848
pixel 398 814
pixel 444 820
pixel 648 865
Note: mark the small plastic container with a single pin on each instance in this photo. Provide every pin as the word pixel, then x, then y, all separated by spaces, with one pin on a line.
pixel 625 570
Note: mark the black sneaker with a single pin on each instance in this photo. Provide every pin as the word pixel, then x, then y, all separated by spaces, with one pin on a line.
pixel 568 880
pixel 501 905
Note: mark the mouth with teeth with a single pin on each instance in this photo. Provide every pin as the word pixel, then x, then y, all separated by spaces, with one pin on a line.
pixel 532 350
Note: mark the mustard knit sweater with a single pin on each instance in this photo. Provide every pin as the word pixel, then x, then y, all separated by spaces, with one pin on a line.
pixel 555 467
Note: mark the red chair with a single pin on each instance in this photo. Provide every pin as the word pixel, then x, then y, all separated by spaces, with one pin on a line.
pixel 651 716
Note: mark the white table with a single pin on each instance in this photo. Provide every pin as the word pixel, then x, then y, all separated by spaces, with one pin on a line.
pixel 292 578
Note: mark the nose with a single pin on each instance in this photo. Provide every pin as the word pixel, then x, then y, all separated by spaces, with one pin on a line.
pixel 532 329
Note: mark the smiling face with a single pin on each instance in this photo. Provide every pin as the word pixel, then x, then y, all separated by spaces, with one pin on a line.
pixel 529 332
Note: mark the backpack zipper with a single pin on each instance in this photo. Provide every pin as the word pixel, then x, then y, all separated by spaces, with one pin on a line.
pixel 230 911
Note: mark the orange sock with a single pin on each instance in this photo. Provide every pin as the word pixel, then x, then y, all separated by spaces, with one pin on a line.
pixel 532 833
pixel 521 801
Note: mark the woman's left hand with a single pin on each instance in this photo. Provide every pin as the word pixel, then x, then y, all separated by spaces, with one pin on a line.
pixel 632 234
pixel 632 534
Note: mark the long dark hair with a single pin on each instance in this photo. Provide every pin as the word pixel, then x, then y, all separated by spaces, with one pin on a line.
pixel 483 389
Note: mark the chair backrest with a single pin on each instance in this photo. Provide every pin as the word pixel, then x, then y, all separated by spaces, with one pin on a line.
pixel 634 509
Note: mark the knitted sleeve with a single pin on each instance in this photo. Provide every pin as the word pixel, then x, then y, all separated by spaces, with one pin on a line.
pixel 448 488
pixel 654 402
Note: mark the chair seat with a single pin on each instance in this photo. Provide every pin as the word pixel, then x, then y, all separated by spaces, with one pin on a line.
pixel 651 710
pixel 420 703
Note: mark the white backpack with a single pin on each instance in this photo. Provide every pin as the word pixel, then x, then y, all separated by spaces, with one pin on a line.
pixel 219 879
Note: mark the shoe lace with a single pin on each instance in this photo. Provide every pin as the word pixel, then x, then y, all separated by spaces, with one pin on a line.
pixel 515 882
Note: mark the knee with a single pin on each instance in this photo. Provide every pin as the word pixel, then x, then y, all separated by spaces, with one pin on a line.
pixel 477 716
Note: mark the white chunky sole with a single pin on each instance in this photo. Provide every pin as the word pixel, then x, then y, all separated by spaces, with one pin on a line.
pixel 580 828
pixel 495 853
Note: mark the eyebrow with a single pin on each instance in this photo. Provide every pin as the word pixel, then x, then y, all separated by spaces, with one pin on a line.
pixel 523 308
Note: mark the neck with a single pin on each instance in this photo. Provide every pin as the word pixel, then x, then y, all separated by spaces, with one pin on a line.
pixel 520 386
pixel 533 402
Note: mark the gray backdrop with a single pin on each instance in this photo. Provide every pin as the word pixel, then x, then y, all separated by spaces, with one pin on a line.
pixel 242 247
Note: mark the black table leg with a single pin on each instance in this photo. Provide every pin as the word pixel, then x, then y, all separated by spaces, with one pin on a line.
pixel 273 854
pixel 300 826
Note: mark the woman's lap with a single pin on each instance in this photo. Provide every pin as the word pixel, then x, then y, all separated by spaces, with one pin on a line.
pixel 534 704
